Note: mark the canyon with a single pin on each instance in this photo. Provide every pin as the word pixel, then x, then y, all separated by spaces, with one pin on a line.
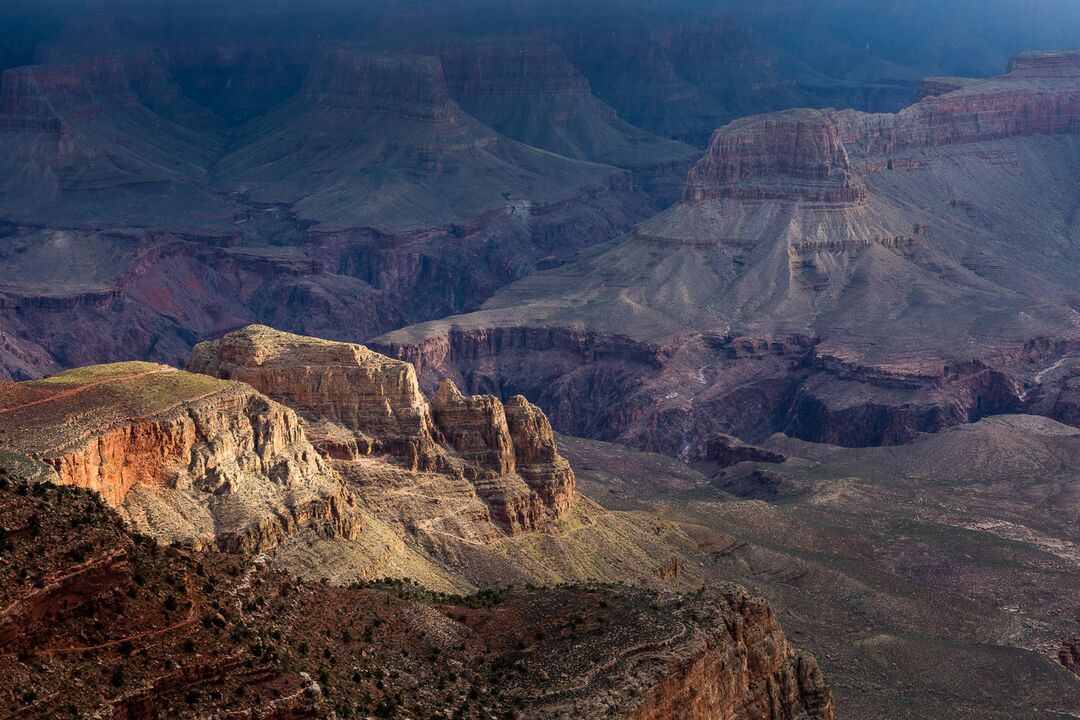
pixel 177 175
pixel 837 276
pixel 515 359
pixel 470 494
pixel 219 473
pixel 925 577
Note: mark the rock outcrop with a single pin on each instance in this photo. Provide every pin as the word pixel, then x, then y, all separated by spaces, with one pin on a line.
pixel 723 451
pixel 186 458
pixel 375 399
pixel 357 403
pixel 818 156
pixel 745 670
pixel 796 156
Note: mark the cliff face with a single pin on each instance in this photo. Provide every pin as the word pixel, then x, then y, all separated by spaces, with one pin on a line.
pixel 409 84
pixel 798 155
pixel 376 399
pixel 537 458
pixel 358 403
pixel 818 155
pixel 745 671
pixel 187 459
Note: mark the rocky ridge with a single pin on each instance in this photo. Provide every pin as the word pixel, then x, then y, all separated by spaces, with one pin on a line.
pixel 819 156
pixel 370 479
pixel 527 89
pixel 506 452
pixel 188 459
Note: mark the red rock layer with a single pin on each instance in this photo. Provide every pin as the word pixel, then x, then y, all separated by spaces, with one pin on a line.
pixel 34 97
pixel 749 672
pixel 211 463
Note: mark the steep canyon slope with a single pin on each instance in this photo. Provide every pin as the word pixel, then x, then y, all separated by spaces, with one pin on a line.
pixel 456 492
pixel 343 470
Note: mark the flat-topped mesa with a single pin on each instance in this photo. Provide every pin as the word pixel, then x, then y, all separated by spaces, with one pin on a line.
pixel 797 155
pixel 185 457
pixel 509 66
pixel 373 397
pixel 1059 63
pixel 821 156
pixel 356 402
pixel 412 85
pixel 37 97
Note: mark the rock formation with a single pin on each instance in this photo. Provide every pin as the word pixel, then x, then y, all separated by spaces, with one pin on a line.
pixel 369 480
pixel 376 399
pixel 183 457
pixel 797 156
pixel 723 451
pixel 528 90
pixel 357 402
pixel 717 680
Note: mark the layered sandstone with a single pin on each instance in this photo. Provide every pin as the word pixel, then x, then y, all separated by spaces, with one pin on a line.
pixel 536 456
pixel 819 156
pixel 796 155
pixel 184 457
pixel 721 656
pixel 375 398
pixel 397 83
pixel 357 402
